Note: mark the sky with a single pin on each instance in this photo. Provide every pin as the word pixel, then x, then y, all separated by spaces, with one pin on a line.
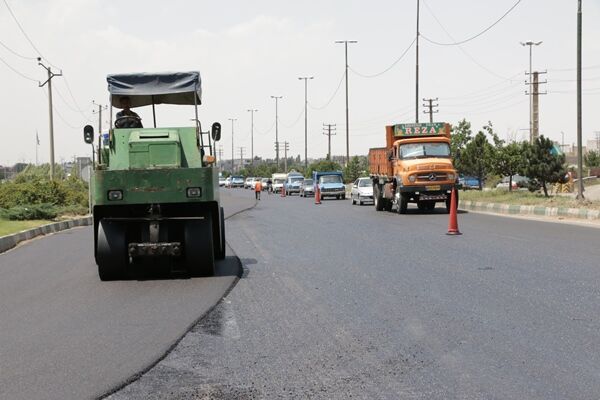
pixel 248 51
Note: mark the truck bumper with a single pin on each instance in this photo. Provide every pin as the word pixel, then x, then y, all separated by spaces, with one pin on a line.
pixel 427 193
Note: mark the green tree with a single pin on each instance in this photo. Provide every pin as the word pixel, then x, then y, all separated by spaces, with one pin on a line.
pixel 592 159
pixel 476 158
pixel 542 165
pixel 357 167
pixel 461 135
pixel 509 160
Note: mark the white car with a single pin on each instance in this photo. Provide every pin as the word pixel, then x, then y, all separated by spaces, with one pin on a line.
pixel 228 182
pixel 362 191
pixel 222 181
pixel 248 183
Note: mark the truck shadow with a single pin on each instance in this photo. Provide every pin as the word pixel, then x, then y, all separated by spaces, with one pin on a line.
pixel 230 266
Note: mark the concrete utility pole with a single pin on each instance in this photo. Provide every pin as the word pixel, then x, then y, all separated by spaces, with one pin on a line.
pixel 345 42
pixel 429 104
pixel 329 129
pixel 277 128
pixel 220 152
pixel 597 133
pixel 99 112
pixel 232 155
pixel 252 111
pixel 37 144
pixel 306 78
pixel 536 103
pixel 286 147
pixel 530 43
pixel 50 109
pixel 417 67
pixel 580 190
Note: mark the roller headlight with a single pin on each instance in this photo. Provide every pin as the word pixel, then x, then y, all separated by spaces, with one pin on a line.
pixel 194 192
pixel 115 195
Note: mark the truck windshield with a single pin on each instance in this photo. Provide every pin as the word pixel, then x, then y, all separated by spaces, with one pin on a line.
pixel 422 150
pixel 330 179
pixel 277 181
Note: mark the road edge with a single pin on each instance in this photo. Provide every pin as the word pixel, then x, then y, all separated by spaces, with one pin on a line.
pixel 10 241
pixel 532 211
pixel 170 348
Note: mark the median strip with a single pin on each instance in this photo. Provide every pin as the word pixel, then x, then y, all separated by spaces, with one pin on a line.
pixel 513 209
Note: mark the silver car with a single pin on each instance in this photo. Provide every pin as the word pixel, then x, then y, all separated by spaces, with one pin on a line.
pixel 307 189
pixel 362 191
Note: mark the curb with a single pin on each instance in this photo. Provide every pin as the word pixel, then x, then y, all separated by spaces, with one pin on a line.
pixel 10 241
pixel 513 209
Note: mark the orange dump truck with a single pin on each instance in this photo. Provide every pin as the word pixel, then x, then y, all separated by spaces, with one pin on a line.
pixel 414 167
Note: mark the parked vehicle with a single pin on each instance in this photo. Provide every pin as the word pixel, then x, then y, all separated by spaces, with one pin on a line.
pixel 222 181
pixel 265 185
pixel 154 192
pixel 237 182
pixel 330 184
pixel 518 181
pixel 228 182
pixel 468 182
pixel 414 167
pixel 293 183
pixel 362 191
pixel 248 182
pixel 278 181
pixel 307 189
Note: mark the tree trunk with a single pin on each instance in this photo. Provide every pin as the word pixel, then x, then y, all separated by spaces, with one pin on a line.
pixel 510 183
pixel 545 189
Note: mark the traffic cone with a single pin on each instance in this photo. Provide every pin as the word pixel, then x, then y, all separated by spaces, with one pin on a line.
pixel 453 221
pixel 283 191
pixel 318 195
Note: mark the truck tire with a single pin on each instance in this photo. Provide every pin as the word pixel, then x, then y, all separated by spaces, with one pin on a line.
pixel 111 251
pixel 402 204
pixel 220 253
pixel 377 198
pixel 198 247
pixel 344 196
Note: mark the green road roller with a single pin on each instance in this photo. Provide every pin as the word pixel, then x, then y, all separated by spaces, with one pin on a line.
pixel 155 191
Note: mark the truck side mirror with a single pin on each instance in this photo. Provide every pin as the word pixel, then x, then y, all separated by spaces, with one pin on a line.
pixel 215 131
pixel 88 134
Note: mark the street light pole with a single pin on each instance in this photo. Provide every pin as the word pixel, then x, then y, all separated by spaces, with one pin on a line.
pixel 306 78
pixel 417 67
pixel 580 195
pixel 530 44
pixel 277 128
pixel 232 154
pixel 252 111
pixel 345 42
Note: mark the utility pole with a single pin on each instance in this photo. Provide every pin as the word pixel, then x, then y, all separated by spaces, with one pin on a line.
pixel 530 43
pixel 221 156
pixel 417 66
pixel 330 130
pixel 252 111
pixel 286 147
pixel 232 155
pixel 345 42
pixel 429 104
pixel 37 144
pixel 306 78
pixel 597 133
pixel 50 109
pixel 241 157
pixel 580 195
pixel 99 112
pixel 277 128
pixel 535 114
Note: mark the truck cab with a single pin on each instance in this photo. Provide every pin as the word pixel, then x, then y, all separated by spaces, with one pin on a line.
pixel 330 184
pixel 415 167
pixel 293 183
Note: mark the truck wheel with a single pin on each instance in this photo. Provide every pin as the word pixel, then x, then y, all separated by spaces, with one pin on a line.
pixel 198 248
pixel 377 198
pixel 344 196
pixel 111 252
pixel 220 253
pixel 402 204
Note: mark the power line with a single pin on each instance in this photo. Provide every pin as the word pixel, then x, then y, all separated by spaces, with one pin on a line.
pixel 18 72
pixel 15 53
pixel 388 68
pixel 295 122
pixel 455 43
pixel 332 96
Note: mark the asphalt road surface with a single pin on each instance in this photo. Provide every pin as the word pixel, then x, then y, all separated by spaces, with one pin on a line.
pixel 66 335
pixel 340 301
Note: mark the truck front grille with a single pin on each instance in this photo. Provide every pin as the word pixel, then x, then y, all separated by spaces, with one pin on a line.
pixel 432 177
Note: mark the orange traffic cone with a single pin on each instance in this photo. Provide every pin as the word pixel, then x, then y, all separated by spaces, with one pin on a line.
pixel 318 195
pixel 453 222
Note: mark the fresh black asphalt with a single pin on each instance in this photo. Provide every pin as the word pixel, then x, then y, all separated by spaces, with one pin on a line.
pixel 66 335
pixel 340 301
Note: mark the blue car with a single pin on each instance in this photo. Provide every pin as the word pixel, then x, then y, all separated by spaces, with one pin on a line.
pixel 469 182
pixel 293 183
pixel 330 184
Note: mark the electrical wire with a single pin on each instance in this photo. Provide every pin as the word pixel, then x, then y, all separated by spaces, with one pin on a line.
pixel 332 96
pixel 485 91
pixel 265 132
pixel 460 47
pixel 17 54
pixel 18 72
pixel 295 122
pixel 388 68
pixel 25 34
pixel 455 43
pixel 55 110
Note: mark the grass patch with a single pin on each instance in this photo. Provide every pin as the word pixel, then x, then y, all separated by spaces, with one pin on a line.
pixel 10 227
pixel 526 198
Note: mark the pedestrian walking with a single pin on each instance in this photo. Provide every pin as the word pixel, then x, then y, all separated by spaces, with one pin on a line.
pixel 257 189
pixel 269 186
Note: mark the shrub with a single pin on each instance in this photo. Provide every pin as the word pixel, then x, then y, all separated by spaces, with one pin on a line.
pixel 33 211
